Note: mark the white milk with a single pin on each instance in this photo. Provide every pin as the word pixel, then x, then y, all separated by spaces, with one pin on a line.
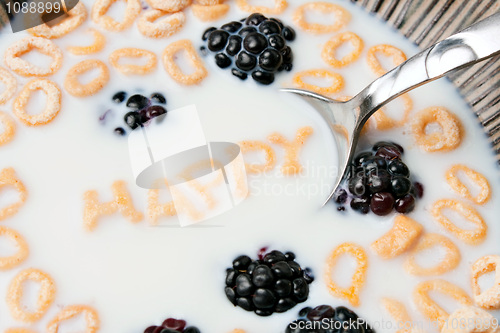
pixel 136 275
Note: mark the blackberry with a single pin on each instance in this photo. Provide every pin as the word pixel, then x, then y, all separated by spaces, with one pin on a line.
pixel 138 109
pixel 255 46
pixel 326 319
pixel 273 283
pixel 172 325
pixel 379 181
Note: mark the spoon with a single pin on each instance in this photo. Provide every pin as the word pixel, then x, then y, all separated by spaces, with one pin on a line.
pixel 346 119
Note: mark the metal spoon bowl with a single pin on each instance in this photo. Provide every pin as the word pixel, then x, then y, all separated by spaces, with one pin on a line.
pixel 346 119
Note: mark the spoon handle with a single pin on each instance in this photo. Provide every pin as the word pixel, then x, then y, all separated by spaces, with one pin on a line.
pixel 474 44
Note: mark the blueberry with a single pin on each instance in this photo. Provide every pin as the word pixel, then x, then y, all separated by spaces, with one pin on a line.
pixel 255 19
pixel 207 33
pixel 137 102
pixel 269 27
pixel 405 204
pixel 321 312
pixel 158 98
pixel 222 60
pixel 381 144
pixel 382 203
pixel 340 196
pixel 290 256
pixel 288 33
pixel 230 294
pixel 397 167
pixel 277 42
pixel 217 40
pixel 361 157
pixel 287 55
pixel 133 119
pixel 244 286
pixel 281 269
pixel 300 289
pixel 241 263
pixel 389 153
pixel 361 204
pixel 308 275
pixel 285 304
pixel 168 330
pixel 231 26
pixel 378 181
pixel 233 45
pixel 263 298
pixel 357 185
pixel 262 276
pixel 295 326
pixel 119 97
pixel 255 42
pixel 283 287
pixel 191 329
pixel 418 189
pixel 263 313
pixel 120 131
pixel 373 164
pixel 296 269
pixel 246 30
pixel 400 186
pixel 231 275
pixel 263 77
pixel 305 311
pixel 239 74
pixel 245 61
pixel 174 324
pixel 150 329
pixel 245 303
pixel 273 257
pixel 252 266
pixel 278 21
pixel 270 60
pixel 154 111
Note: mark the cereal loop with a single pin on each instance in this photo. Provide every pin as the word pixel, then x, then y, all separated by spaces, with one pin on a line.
pixel 488 299
pixel 10 83
pixel 150 24
pixel 22 252
pixel 448 263
pixel 76 16
pixel 358 279
pixel 52 106
pixel 8 178
pixel 19 330
pixel 448 138
pixel 328 53
pixel 470 319
pixel 73 85
pixel 122 203
pixel 279 7
pixel 430 308
pixel 115 57
pixel 101 7
pixel 98 45
pixel 45 298
pixel 170 6
pixel 9 128
pixel 155 209
pixel 200 72
pixel 208 2
pixel 270 156
pixel 292 165
pixel 210 13
pixel 337 81
pixel 403 234
pixel 472 237
pixel 459 187
pixel 397 55
pixel 90 315
pixel 384 122
pixel 342 17
pixel 22 67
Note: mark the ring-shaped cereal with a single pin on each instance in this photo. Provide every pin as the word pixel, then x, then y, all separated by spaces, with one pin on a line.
pixel 342 17
pixel 430 308
pixel 337 81
pixel 200 72
pixel 447 139
pixel 97 45
pixel 461 188
pixel 90 315
pixel 328 53
pixel 52 107
pixel 397 55
pixel 22 249
pixel 488 299
pixel 384 122
pixel 22 67
pixel 76 16
pixel 398 312
pixel 8 178
pixel 350 293
pixel 279 7
pixel 471 319
pixel 210 13
pixel 10 85
pixel 73 85
pixel 270 156
pixel 101 7
pixel 427 241
pixel 46 295
pixel 130 52
pixel 208 2
pixel 150 24
pixel 170 6
pixel 9 128
pixel 402 235
pixel 472 237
